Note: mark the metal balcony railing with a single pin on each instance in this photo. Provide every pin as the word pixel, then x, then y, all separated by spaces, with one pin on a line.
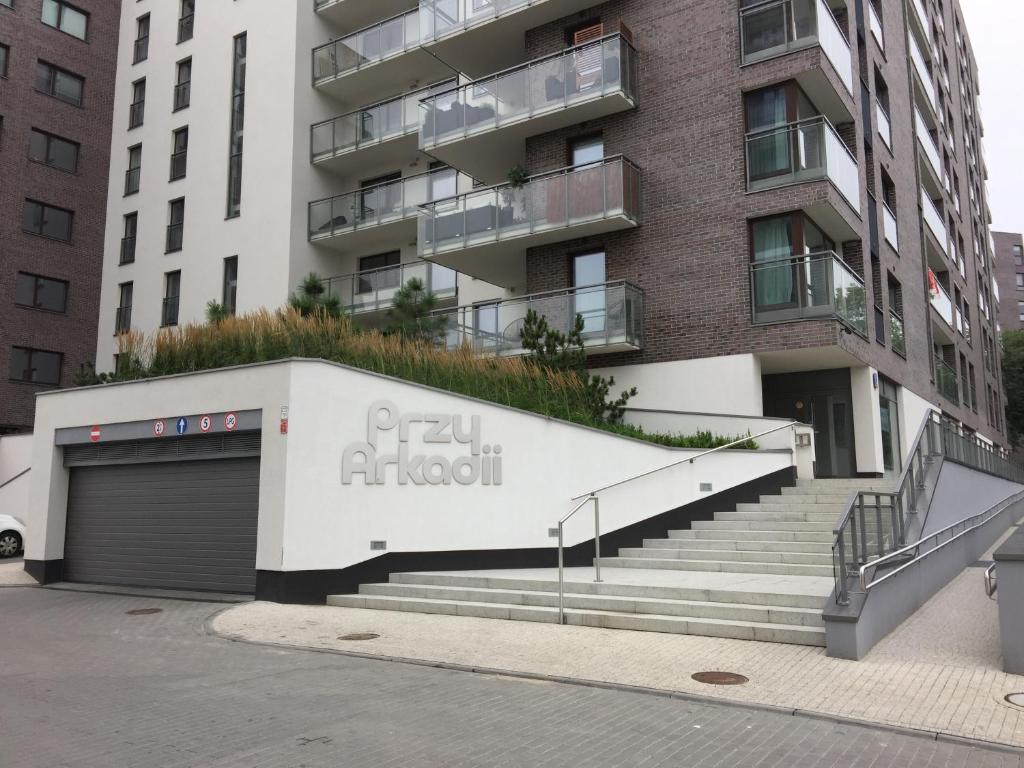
pixel 374 290
pixel 141 51
pixel 380 204
pixel 934 220
pixel 940 300
pixel 366 46
pixel 136 113
pixel 370 125
pixel 899 340
pixel 577 75
pixel 561 199
pixel 612 315
pixel 182 95
pixel 169 311
pixel 127 250
pixel 923 72
pixel 946 381
pixel 777 27
pixel 131 180
pixel 179 163
pixel 186 27
pixel 931 149
pixel 811 286
pixel 174 237
pixel 122 320
pixel 808 150
pixel 440 18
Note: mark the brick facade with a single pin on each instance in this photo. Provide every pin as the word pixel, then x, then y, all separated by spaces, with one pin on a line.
pixel 1007 270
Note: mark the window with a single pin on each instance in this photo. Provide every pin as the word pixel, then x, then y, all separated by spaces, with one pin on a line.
pixel 186 17
pixel 179 153
pixel 38 292
pixel 183 85
pixel 378 272
pixel 59 83
pixel 35 365
pixel 123 316
pixel 141 39
pixel 53 151
pixel 47 220
pixel 133 175
pixel 589 301
pixel 131 228
pixel 65 17
pixel 1018 255
pixel 237 126
pixel 1020 281
pixel 137 109
pixel 229 294
pixel 1020 311
pixel 172 291
pixel 587 150
pixel 175 224
pixel 5 54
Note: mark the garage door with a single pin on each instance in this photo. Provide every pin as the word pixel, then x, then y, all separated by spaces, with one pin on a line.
pixel 176 525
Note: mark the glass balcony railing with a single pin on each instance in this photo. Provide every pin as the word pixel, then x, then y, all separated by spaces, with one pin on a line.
pixel 940 299
pixel 777 27
pixel 578 75
pixel 374 290
pixel 812 286
pixel 934 220
pixel 367 46
pixel 612 315
pixel 890 227
pixel 945 381
pixel 924 73
pixel 370 125
pixel 884 124
pixel 924 137
pixel 899 340
pixel 875 24
pixel 380 204
pixel 809 150
pixel 440 18
pixel 921 14
pixel 561 199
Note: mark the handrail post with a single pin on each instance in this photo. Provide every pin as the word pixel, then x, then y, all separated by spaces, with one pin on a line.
pixel 597 540
pixel 561 577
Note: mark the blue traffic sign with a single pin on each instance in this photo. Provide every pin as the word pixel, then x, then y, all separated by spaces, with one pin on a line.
pixel 182 425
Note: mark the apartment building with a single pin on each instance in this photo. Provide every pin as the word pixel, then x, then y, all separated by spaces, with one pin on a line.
pixel 770 208
pixel 1008 260
pixel 57 67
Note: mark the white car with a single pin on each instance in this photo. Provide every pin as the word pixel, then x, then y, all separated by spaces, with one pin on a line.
pixel 12 535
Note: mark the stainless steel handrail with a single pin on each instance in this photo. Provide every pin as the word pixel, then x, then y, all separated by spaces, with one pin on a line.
pixel 990 581
pixel 10 480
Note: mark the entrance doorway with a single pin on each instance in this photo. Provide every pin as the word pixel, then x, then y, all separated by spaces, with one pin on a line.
pixel 823 400
pixel 889 410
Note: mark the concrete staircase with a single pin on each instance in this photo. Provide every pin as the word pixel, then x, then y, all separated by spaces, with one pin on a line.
pixel 761 572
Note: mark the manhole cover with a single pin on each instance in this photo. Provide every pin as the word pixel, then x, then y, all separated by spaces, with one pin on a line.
pixel 719 678
pixel 143 611
pixel 1017 699
pixel 360 636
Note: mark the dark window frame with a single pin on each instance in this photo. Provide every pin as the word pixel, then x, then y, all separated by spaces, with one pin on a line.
pixel 182 88
pixel 175 226
pixel 43 208
pixel 229 288
pixel 179 157
pixel 35 293
pixel 62 6
pixel 32 351
pixel 49 138
pixel 53 72
pixel 236 137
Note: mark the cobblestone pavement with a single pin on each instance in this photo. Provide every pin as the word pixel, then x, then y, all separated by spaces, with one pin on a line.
pixel 87 685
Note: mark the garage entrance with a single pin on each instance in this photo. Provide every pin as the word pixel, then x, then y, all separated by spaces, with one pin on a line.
pixel 172 523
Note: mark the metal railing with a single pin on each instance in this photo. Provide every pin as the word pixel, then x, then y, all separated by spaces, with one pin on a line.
pixel 440 18
pixel 940 300
pixel 593 496
pixel 574 76
pixel 169 311
pixel 612 314
pixel 136 113
pixel 175 233
pixel 374 289
pixel 131 180
pixel 557 200
pixel 934 220
pixel 990 582
pixel 875 523
pixel 899 340
pixel 367 46
pixel 179 162
pixel 927 142
pixel 945 381
pixel 141 52
pixel 807 150
pixel 127 250
pixel 924 73
pixel 122 320
pixel 182 95
pixel 813 286
pixel 186 25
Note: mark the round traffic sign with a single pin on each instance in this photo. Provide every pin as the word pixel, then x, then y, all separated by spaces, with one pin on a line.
pixel 230 421
pixel 94 434
pixel 205 423
pixel 159 427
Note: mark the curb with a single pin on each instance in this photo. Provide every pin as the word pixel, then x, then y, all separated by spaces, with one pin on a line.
pixel 920 733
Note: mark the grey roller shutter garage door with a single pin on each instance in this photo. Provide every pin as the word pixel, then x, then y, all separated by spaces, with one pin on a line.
pixel 175 525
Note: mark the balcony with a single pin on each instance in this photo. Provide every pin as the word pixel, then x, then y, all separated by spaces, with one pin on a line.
pixel 375 133
pixel 778 27
pixel 940 300
pixel 809 150
pixel 875 24
pixel 810 287
pixel 884 124
pixel 928 147
pixel 612 313
pixel 373 291
pixel 945 381
pixel 920 15
pixel 356 14
pixel 899 340
pixel 890 227
pixel 481 126
pixel 926 85
pixel 381 215
pixel 934 222
pixel 486 232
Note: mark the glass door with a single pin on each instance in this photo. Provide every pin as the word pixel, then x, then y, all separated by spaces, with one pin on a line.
pixel 590 296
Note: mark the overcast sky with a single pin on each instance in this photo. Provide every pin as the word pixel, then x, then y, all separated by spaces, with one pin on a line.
pixel 995 28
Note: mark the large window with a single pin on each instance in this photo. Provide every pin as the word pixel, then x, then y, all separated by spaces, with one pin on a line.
pixel 380 271
pixel 137 109
pixel 1018 255
pixel 5 54
pixel 47 220
pixel 53 151
pixel 781 274
pixel 776 145
pixel 66 18
pixel 237 127
pixel 123 317
pixel 589 300
pixel 141 39
pixel 172 296
pixel 586 150
pixel 179 153
pixel 229 292
pixel 131 228
pixel 186 19
pixel 38 292
pixel 35 366
pixel 59 83
pixel 133 175
pixel 175 224
pixel 183 84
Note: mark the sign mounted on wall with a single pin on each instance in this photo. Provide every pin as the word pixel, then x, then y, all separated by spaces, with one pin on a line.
pixel 230 421
pixel 182 425
pixel 385 423
pixel 205 423
pixel 94 434
pixel 158 427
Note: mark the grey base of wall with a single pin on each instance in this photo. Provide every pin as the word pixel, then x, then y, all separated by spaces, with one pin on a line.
pixel 45 571
pixel 312 587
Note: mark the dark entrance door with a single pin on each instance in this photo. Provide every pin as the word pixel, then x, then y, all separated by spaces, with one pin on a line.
pixel 823 400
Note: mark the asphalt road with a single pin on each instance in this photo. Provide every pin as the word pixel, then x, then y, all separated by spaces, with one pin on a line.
pixel 87 684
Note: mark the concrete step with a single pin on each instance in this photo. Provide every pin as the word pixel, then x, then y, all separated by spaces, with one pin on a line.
pixel 806 496
pixel 834 509
pixel 700 609
pixel 760 535
pixel 829 485
pixel 809 599
pixel 791 516
pixel 820 547
pixel 777 633
pixel 759 525
pixel 804 558
pixel 727 566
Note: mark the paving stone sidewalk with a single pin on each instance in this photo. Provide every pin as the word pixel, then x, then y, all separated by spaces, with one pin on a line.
pixel 940 672
pixel 13 574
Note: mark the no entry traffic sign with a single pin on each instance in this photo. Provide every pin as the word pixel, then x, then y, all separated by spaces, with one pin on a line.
pixel 94 434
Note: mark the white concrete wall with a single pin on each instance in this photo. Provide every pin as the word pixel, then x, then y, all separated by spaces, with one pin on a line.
pixel 867 420
pixel 728 385
pixel 912 412
pixel 15 459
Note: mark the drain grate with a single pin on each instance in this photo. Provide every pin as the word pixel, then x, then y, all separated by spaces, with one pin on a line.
pixel 1017 699
pixel 143 611
pixel 359 636
pixel 719 678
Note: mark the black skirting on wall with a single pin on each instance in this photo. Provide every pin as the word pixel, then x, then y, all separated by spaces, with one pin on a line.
pixel 45 571
pixel 313 587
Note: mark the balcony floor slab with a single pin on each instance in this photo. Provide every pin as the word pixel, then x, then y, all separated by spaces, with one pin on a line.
pixel 371 238
pixel 399 150
pixel 352 15
pixel 392 76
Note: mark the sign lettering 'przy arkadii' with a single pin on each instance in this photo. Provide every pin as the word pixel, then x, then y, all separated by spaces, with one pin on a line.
pixel 482 465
